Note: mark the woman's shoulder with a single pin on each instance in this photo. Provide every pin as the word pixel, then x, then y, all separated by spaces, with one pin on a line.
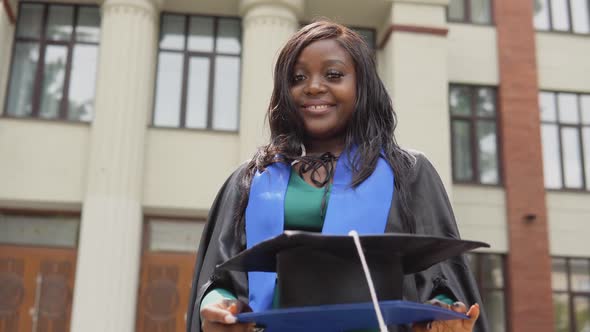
pixel 420 165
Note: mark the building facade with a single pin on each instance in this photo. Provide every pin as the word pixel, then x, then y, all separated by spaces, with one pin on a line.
pixel 120 120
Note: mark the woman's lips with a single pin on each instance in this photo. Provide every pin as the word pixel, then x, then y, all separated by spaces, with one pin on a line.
pixel 318 109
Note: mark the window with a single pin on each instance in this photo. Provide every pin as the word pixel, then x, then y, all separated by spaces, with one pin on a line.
pixel 198 73
pixel 54 61
pixel 488 270
pixel 473 134
pixel 562 15
pixel 470 11
pixel 571 294
pixel 565 129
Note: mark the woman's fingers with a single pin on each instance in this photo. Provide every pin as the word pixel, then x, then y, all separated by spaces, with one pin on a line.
pixel 473 314
pixel 222 312
pixel 219 327
pixel 459 307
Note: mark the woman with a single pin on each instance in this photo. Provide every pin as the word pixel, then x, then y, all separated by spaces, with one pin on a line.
pixel 331 118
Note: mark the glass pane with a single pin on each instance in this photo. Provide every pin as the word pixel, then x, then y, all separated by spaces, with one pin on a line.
pixel 460 100
pixel 558 274
pixel 580 275
pixel 39 230
pixel 462 169
pixel 562 312
pixel 88 28
pixel 60 22
pixel 22 79
pixel 582 313
pixel 495 309
pixel 547 104
pixel 83 83
pixel 485 103
pixel 585 104
pixel 368 35
pixel 481 11
pixel 568 108
pixel 551 156
pixel 586 139
pixel 456 10
pixel 172 35
pixel 572 161
pixel 541 14
pixel 488 152
pixel 197 93
pixel 228 36
pixel 580 16
pixel 54 73
pixel 30 18
pixel 493 274
pixel 226 93
pixel 168 90
pixel 559 14
pixel 201 34
pixel 166 235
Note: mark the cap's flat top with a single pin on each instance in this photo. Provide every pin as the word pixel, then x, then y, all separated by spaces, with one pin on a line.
pixel 418 252
pixel 343 317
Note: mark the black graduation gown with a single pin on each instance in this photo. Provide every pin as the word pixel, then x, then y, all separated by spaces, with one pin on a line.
pixel 431 212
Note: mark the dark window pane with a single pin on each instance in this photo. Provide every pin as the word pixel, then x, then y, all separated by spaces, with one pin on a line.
pixel 228 36
pixel 462 168
pixel 368 35
pixel 43 231
pixel 582 313
pixel 568 108
pixel 198 92
pixel 22 79
pixel 541 8
pixel 88 28
pixel 481 11
pixel 559 274
pixel 30 19
pixel 493 301
pixel 457 10
pixel 551 156
pixel 201 34
pixel 82 83
pixel 485 102
pixel 460 100
pixel 53 81
pixel 172 35
pixel 572 161
pixel 586 139
pixel 580 16
pixel 580 275
pixel 226 92
pixel 585 104
pixel 561 311
pixel 547 104
pixel 493 275
pixel 60 22
pixel 488 152
pixel 559 14
pixel 169 89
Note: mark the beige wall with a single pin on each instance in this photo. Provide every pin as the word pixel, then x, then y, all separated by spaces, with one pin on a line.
pixel 563 62
pixel 473 55
pixel 569 223
pixel 6 33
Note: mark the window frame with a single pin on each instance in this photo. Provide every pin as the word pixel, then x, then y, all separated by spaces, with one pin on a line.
pixel 571 294
pixel 579 127
pixel 473 119
pixel 187 55
pixel 467 19
pixel 570 30
pixel 43 42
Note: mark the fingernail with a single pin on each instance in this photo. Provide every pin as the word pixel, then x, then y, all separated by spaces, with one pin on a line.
pixel 456 304
pixel 229 319
pixel 428 325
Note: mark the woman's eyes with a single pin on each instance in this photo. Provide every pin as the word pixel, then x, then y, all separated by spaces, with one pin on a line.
pixel 331 75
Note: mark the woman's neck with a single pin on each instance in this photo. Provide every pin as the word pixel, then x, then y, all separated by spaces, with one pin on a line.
pixel 334 146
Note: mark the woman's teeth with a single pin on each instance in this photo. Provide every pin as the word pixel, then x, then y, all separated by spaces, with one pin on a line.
pixel 317 107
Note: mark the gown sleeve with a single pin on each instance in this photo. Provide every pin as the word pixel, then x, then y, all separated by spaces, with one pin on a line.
pixel 221 240
pixel 432 214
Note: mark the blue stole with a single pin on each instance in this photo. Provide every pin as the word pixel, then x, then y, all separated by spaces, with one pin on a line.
pixel 364 209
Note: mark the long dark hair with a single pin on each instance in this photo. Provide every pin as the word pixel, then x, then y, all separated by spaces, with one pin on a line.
pixel 371 127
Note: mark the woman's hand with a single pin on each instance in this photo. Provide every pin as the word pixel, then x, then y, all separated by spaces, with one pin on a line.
pixel 221 317
pixel 457 325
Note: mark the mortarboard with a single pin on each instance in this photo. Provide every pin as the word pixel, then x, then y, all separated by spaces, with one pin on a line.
pixel 322 285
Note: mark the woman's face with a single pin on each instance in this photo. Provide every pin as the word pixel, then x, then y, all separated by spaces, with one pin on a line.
pixel 324 89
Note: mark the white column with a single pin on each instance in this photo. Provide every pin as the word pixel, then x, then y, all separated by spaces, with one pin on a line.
pixel 414 67
pixel 266 25
pixel 109 250
pixel 6 33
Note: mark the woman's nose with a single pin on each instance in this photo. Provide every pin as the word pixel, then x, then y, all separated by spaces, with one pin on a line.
pixel 314 87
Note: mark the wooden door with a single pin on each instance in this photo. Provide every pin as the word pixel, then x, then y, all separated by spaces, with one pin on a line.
pixel 164 291
pixel 36 287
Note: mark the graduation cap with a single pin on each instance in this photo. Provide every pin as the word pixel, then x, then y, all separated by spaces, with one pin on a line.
pixel 321 278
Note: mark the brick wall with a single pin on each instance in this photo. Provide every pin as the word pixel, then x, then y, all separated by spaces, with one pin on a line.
pixel 529 264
